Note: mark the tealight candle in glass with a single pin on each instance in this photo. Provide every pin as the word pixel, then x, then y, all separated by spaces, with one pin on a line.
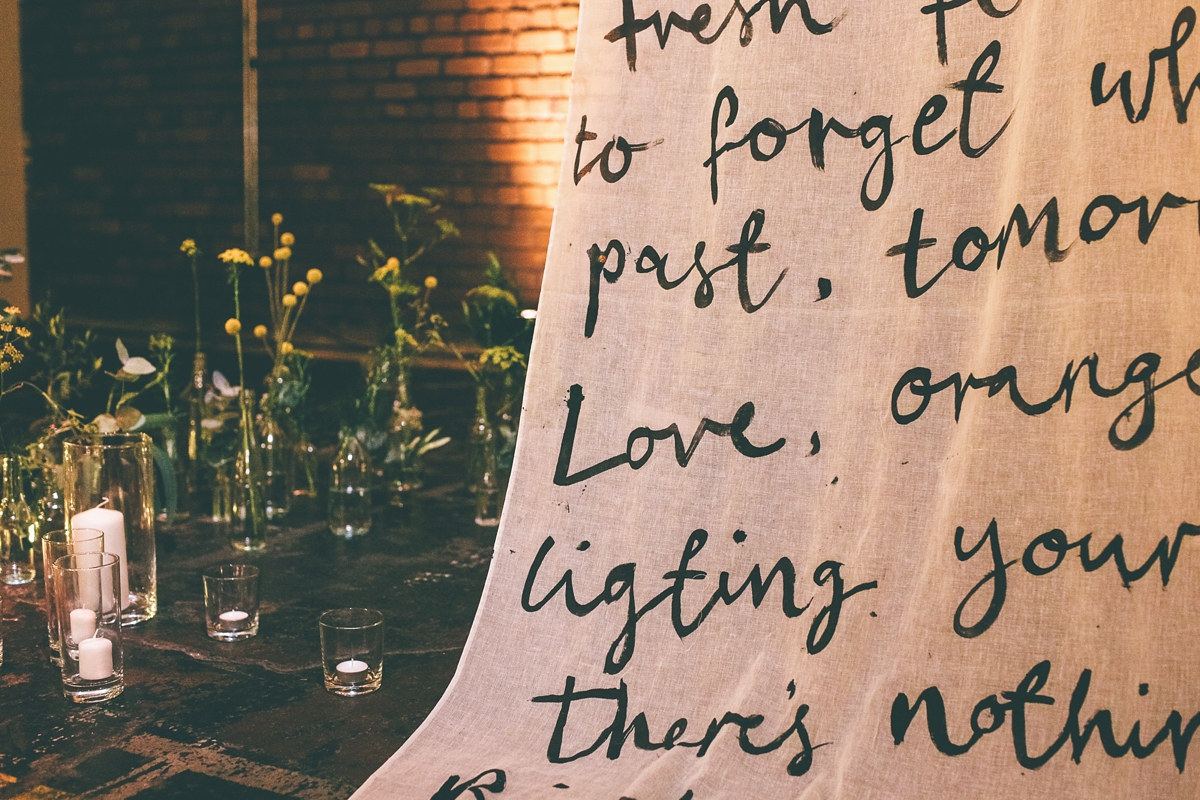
pixel 89 622
pixel 231 601
pixel 55 545
pixel 352 650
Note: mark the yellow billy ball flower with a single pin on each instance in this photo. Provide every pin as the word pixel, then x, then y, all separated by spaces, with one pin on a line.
pixel 286 348
pixel 260 331
pixel 392 264
pixel 277 218
pixel 300 288
pixel 265 262
pixel 233 327
pixel 289 300
pixel 314 276
pixel 430 282
pixel 287 240
pixel 283 254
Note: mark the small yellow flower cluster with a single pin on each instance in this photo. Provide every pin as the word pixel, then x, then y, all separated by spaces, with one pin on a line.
pixel 235 255
pixel 10 355
pixel 12 310
pixel 189 248
pixel 283 253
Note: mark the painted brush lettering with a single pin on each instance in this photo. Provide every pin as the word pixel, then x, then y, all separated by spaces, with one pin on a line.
pixel 1044 555
pixel 620 584
pixel 1141 371
pixel 631 25
pixel 991 713
pixel 645 437
pixel 615 735
pixel 1181 31
pixel 649 260
pixel 768 137
pixel 617 143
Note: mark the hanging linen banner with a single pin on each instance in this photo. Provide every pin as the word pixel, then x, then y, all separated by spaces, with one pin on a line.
pixel 859 455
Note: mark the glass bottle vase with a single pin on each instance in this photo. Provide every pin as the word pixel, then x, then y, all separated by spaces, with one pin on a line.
pixel 248 516
pixel 193 483
pixel 350 490
pixel 276 455
pixel 483 478
pixel 18 530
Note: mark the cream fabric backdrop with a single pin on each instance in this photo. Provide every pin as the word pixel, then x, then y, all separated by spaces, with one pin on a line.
pixel 881 499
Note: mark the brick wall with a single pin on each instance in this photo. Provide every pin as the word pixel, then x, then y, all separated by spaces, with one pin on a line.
pixel 133 110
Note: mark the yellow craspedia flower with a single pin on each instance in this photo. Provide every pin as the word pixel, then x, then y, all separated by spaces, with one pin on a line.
pixel 286 348
pixel 236 255
pixel 392 264
pixel 300 288
pixel 287 240
pixel 283 253
pixel 289 300
pixel 277 218
pixel 314 276
pixel 260 331
pixel 233 327
pixel 430 282
pixel 265 262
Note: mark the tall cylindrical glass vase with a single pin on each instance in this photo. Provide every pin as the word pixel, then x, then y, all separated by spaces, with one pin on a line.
pixel 108 482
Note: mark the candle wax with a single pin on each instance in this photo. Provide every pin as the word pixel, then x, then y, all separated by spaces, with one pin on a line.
pixel 112 523
pixel 233 616
pixel 83 624
pixel 351 670
pixel 95 659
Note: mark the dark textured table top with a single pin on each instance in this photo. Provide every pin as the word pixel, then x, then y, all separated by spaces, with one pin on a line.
pixel 200 718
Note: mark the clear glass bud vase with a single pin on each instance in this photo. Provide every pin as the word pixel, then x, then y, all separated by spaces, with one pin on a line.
pixel 483 477
pixel 193 477
pixel 18 531
pixel 248 524
pixel 276 454
pixel 350 490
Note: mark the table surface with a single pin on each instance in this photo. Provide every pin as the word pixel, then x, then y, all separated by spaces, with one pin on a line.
pixel 251 720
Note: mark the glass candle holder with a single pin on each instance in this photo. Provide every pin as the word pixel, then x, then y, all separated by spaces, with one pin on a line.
pixel 55 545
pixel 89 621
pixel 108 482
pixel 231 601
pixel 352 650
pixel 18 527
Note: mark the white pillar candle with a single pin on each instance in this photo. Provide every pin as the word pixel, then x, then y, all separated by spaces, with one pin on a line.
pixel 233 616
pixel 352 671
pixel 95 659
pixel 112 523
pixel 83 624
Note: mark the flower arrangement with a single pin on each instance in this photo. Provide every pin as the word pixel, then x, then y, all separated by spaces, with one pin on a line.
pixel 286 300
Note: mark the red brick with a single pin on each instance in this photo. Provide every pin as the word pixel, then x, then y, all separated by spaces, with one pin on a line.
pixel 516 65
pixel 445 23
pixel 536 174
pixel 468 110
pixel 540 42
pixel 517 153
pixel 549 86
pixel 470 22
pixel 418 67
pixel 492 87
pixel 448 45
pixel 397 47
pixel 556 63
pixel 349 50
pixel 401 90
pixel 499 43
pixel 469 66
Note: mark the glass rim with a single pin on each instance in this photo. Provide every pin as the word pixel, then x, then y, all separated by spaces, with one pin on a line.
pixel 241 572
pixel 65 563
pixel 71 535
pixel 377 618
pixel 85 441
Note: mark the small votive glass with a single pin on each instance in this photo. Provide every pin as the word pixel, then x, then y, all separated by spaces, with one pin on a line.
pixel 231 601
pixel 89 621
pixel 352 650
pixel 55 545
